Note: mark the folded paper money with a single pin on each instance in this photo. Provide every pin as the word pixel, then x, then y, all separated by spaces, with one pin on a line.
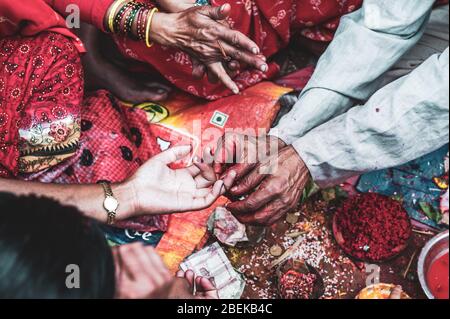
pixel 226 228
pixel 211 262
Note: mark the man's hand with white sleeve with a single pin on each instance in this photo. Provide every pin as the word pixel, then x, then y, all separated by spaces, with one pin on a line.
pixel 271 182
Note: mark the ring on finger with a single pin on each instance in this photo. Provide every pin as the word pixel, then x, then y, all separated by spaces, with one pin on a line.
pixel 224 54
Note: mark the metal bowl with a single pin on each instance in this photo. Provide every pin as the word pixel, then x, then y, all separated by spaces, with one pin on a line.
pixel 434 249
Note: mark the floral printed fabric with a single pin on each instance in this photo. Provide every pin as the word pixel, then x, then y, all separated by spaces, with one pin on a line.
pixel 271 24
pixel 41 90
pixel 51 133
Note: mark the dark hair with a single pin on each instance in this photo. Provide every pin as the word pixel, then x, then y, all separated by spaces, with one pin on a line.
pixel 39 238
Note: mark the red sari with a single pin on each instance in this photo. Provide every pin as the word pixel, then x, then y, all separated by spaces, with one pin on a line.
pixel 271 24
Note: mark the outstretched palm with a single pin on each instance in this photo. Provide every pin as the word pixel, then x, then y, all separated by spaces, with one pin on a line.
pixel 160 189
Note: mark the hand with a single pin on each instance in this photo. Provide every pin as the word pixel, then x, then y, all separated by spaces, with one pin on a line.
pixel 125 87
pixel 244 151
pixel 102 74
pixel 274 187
pixel 140 273
pixel 204 288
pixel 217 71
pixel 198 32
pixel 159 189
pixel 396 293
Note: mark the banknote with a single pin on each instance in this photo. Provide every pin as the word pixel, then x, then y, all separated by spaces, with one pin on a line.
pixel 227 229
pixel 211 262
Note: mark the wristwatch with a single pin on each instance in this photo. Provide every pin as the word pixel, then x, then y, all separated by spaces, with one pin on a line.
pixel 110 203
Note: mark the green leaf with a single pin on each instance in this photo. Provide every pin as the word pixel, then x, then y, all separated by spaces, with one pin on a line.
pixel 398 198
pixel 329 194
pixel 430 212
pixel 341 193
pixel 310 189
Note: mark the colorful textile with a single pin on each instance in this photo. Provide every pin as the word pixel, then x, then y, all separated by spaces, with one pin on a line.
pixel 413 183
pixel 270 24
pixel 112 139
pixel 41 90
pixel 29 18
pixel 115 140
pixel 199 3
pixel 120 236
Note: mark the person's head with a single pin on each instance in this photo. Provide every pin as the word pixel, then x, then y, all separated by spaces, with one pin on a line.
pixel 43 245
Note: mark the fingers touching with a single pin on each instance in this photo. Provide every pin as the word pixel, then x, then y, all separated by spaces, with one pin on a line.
pixel 207 175
pixel 218 70
pixel 202 287
pixel 235 45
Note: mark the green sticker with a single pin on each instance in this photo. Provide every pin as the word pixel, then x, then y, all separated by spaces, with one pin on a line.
pixel 219 119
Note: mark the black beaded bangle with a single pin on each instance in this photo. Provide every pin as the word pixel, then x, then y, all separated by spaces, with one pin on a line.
pixel 130 20
pixel 120 15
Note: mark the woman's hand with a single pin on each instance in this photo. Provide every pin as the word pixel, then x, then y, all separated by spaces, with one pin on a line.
pixel 103 74
pixel 158 189
pixel 153 189
pixel 203 287
pixel 199 32
pixel 140 273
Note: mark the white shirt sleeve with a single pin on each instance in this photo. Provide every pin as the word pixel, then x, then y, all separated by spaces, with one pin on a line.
pixel 402 121
pixel 367 44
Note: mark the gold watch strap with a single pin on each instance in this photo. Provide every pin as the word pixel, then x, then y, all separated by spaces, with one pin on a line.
pixel 109 194
pixel 107 188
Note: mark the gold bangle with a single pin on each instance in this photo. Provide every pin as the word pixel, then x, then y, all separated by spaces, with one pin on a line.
pixel 112 14
pixel 147 29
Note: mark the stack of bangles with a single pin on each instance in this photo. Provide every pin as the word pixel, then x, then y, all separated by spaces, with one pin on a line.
pixel 133 19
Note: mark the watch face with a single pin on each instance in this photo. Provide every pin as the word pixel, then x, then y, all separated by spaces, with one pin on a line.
pixel 111 204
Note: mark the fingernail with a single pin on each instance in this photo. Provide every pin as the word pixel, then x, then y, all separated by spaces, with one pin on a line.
pixel 255 51
pixel 264 67
pixel 233 189
pixel 236 90
pixel 196 160
pixel 222 186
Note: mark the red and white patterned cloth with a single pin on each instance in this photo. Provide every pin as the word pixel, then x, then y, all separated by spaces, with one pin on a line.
pixel 271 24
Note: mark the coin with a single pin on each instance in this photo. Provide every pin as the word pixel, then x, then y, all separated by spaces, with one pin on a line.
pixel 292 218
pixel 276 250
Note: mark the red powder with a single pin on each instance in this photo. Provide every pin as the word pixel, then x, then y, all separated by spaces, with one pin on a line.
pixel 437 277
pixel 374 227
pixel 295 285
